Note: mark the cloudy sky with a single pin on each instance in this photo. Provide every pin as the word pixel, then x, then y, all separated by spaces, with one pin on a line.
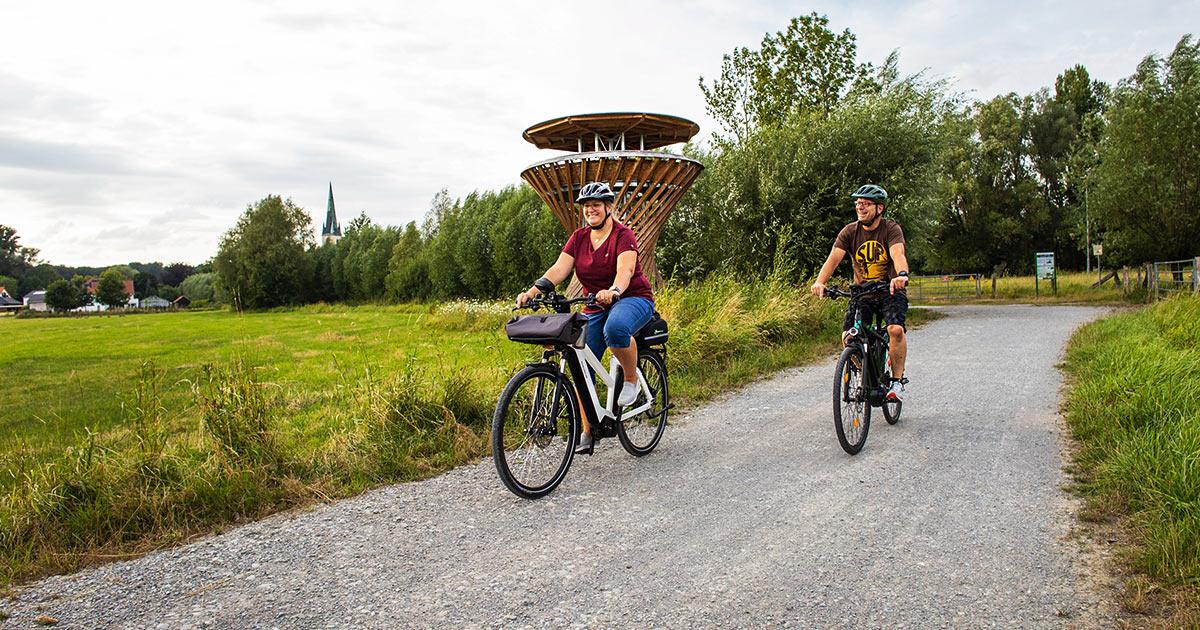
pixel 137 131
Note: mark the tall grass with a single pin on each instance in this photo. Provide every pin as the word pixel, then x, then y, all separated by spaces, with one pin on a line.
pixel 227 445
pixel 1072 287
pixel 1135 409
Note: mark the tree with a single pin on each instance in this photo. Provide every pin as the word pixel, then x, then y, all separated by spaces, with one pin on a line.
pixel 175 273
pixel 126 271
pixel 1064 130
pixel 168 292
pixel 154 268
pixel 796 178
pixel 12 285
pixel 322 289
pixel 525 239
pixel 38 278
pixel 62 296
pixel 203 287
pixel 804 68
pixel 111 290
pixel 408 275
pixel 262 260
pixel 85 298
pixel 144 285
pixel 15 260
pixel 1146 182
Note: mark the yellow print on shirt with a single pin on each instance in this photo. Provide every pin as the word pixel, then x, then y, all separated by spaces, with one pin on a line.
pixel 872 259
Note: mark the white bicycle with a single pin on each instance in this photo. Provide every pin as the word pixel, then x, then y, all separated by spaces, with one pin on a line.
pixel 537 422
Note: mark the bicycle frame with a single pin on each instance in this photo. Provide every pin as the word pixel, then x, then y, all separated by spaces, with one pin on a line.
pixel 875 342
pixel 582 366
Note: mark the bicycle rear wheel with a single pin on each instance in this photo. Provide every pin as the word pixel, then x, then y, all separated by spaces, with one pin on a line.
pixel 534 431
pixel 641 433
pixel 851 409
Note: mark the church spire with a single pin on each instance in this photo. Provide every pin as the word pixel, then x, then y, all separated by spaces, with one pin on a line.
pixel 331 231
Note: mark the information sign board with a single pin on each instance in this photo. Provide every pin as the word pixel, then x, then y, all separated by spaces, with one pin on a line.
pixel 1045 265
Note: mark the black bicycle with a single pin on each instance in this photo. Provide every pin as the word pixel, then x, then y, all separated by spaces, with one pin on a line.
pixel 537 421
pixel 863 373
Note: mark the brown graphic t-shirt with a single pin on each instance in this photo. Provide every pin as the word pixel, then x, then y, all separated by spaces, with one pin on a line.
pixel 870 250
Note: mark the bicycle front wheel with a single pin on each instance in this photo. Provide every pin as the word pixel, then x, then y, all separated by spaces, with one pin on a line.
pixel 851 409
pixel 891 408
pixel 641 433
pixel 534 431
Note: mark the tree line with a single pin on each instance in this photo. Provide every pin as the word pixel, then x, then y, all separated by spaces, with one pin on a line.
pixel 978 186
pixel 485 245
pixel 21 272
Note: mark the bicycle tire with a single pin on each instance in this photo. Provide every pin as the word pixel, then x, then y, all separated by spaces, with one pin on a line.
pixel 527 426
pixel 891 408
pixel 851 409
pixel 641 433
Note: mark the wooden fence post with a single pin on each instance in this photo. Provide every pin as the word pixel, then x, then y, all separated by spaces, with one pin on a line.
pixel 978 292
pixel 993 285
pixel 1151 283
pixel 1125 280
pixel 1196 275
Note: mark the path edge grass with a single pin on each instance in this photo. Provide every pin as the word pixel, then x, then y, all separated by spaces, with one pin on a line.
pixel 1132 408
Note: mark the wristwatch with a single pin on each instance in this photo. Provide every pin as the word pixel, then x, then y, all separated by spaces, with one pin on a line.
pixel 902 273
pixel 614 289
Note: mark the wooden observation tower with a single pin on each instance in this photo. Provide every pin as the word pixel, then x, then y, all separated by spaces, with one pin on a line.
pixel 617 149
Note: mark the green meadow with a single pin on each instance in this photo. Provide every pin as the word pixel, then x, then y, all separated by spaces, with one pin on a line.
pixel 1073 287
pixel 123 434
pixel 68 376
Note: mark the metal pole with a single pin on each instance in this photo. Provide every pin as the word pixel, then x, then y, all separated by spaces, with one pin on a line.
pixel 1196 275
pixel 1151 283
pixel 1087 228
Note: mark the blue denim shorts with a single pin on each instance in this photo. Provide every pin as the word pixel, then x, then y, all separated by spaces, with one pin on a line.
pixel 615 326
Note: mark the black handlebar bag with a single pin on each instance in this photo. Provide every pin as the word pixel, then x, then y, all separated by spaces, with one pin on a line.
pixel 551 328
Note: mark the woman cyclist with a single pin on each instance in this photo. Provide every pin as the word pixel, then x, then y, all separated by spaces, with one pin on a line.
pixel 604 256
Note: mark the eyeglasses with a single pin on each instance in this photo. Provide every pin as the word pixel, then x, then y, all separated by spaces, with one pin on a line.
pixel 862 203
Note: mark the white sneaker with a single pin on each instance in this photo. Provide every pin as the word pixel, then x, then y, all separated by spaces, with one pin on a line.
pixel 629 393
pixel 896 392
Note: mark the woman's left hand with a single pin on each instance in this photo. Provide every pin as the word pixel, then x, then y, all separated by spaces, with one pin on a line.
pixel 605 297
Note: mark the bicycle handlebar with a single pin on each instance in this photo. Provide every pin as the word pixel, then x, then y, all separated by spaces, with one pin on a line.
pixel 556 302
pixel 858 290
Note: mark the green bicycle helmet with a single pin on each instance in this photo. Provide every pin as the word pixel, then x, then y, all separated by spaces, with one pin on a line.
pixel 872 192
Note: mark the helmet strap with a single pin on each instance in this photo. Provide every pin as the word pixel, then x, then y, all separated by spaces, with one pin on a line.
pixel 607 216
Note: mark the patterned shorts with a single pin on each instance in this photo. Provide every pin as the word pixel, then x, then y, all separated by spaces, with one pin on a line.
pixel 893 309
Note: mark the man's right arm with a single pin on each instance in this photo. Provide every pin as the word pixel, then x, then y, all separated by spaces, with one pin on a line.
pixel 835 258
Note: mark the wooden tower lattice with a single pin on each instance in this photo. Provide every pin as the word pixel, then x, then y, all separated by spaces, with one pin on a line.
pixel 647 183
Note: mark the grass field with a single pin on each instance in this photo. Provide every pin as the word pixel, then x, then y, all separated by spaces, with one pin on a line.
pixel 1135 410
pixel 70 376
pixel 1072 287
pixel 125 434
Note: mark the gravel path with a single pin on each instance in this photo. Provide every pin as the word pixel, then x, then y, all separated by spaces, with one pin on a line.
pixel 748 515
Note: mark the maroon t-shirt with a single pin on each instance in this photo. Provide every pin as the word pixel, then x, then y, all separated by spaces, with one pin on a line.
pixel 597 268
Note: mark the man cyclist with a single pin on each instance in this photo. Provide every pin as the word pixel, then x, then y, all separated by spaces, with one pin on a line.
pixel 878 254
